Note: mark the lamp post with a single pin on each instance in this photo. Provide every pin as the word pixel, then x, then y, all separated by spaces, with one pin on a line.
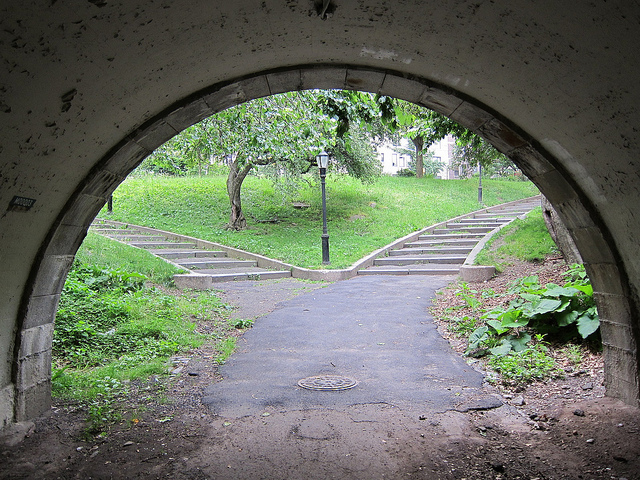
pixel 323 160
pixel 479 183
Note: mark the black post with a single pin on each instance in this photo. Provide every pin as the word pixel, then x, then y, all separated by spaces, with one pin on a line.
pixel 480 184
pixel 325 234
pixel 110 204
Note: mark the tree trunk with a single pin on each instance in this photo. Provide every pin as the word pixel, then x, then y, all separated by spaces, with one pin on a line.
pixel 418 142
pixel 234 183
pixel 560 234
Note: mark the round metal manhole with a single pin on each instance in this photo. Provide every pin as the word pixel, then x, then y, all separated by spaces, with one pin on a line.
pixel 327 383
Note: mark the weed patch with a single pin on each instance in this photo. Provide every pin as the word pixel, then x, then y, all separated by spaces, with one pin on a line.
pixel 114 329
pixel 529 364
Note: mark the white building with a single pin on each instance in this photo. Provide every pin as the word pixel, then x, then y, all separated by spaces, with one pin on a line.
pixel 392 161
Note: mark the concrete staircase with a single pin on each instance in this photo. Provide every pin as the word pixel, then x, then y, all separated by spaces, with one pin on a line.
pixel 443 250
pixel 205 266
pixel 447 248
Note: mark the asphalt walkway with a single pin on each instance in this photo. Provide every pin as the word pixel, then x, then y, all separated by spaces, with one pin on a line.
pixel 375 330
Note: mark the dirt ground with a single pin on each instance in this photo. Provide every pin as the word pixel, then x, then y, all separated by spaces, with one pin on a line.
pixel 561 429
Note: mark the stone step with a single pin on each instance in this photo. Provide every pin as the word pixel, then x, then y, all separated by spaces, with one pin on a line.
pixel 517 210
pixel 444 250
pixel 450 236
pixel 453 242
pixel 507 216
pixel 445 231
pixel 429 269
pixel 476 224
pixel 124 237
pixel 171 254
pixel 162 245
pixel 263 275
pixel 214 263
pixel 203 281
pixel 419 260
pixel 106 229
pixel 490 219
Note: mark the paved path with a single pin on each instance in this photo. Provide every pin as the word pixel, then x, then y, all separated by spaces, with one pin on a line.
pixel 374 329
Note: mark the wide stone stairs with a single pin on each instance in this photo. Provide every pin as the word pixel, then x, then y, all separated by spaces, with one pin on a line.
pixel 445 248
pixel 441 249
pixel 217 265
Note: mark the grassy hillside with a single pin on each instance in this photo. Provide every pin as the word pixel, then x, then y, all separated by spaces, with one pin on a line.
pixel 361 217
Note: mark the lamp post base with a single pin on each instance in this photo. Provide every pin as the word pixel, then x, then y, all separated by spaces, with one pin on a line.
pixel 325 249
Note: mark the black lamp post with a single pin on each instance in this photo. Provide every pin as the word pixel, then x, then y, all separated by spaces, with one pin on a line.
pixel 479 183
pixel 323 160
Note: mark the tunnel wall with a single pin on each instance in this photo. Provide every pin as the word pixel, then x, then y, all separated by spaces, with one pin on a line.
pixel 90 88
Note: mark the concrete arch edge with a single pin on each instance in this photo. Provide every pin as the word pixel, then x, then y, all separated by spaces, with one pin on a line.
pixel 30 395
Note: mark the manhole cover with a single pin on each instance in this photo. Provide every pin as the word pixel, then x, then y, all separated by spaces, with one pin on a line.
pixel 327 382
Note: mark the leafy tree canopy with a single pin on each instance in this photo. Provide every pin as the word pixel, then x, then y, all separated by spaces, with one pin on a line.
pixel 284 132
pixel 478 152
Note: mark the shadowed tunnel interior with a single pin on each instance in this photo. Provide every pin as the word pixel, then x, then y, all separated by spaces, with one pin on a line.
pixel 89 90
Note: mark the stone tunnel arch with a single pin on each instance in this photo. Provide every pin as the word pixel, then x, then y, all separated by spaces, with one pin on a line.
pixel 620 334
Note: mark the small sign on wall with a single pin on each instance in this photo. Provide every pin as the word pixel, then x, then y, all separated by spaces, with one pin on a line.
pixel 21 203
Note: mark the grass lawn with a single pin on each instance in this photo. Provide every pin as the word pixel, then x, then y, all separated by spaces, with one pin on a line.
pixel 361 217
pixel 524 239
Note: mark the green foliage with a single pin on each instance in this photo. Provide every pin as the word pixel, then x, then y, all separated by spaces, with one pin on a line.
pixel 573 353
pixel 516 331
pixel 356 155
pixel 406 172
pixel 225 348
pixel 281 135
pixel 567 312
pixel 348 108
pixel 424 127
pixel 415 121
pixel 468 295
pixel 564 313
pixel 525 365
pixel 463 326
pixel 391 207
pixel 241 323
pixel 511 335
pixel 431 166
pixel 106 392
pixel 112 328
pixel 104 315
pixel 472 151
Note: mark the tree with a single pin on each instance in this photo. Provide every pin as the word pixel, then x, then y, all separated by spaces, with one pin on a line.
pixel 474 151
pixel 431 165
pixel 280 130
pixel 424 127
pixel 283 132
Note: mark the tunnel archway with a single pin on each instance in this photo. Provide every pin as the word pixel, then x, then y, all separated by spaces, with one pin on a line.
pixel 87 89
pixel 33 343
